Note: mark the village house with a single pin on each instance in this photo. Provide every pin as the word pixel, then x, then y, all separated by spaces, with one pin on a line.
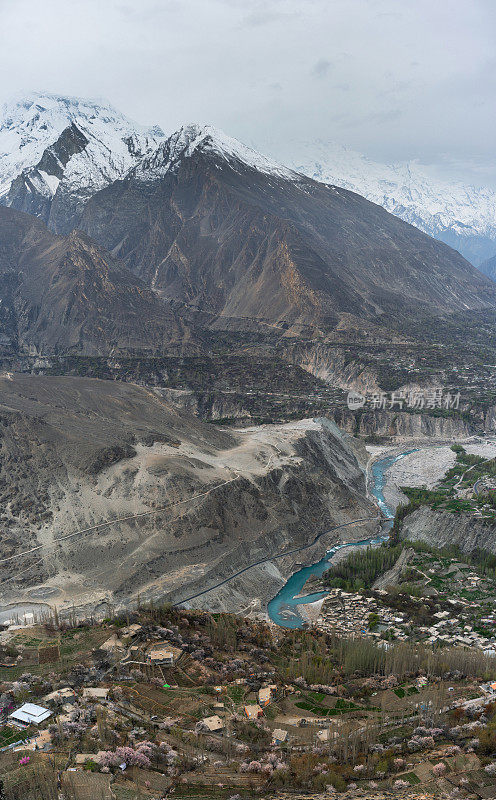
pixel 131 631
pixel 113 645
pixel 279 736
pixel 264 696
pixel 160 657
pixel 95 692
pixel 253 711
pixel 163 654
pixel 213 724
pixel 66 695
pixel 29 714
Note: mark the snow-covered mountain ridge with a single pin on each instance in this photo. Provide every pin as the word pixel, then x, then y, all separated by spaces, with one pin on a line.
pixel 461 215
pixel 205 138
pixel 56 152
pixel 55 147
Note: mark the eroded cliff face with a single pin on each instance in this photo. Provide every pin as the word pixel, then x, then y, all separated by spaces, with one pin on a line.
pixel 440 529
pixel 332 365
pixel 392 425
pixel 402 425
pixel 212 405
pixel 133 497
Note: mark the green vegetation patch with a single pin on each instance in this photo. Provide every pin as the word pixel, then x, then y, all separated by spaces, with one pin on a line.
pixel 317 697
pixel 341 707
pixel 236 693
pixel 411 778
pixel 9 735
pixel 361 569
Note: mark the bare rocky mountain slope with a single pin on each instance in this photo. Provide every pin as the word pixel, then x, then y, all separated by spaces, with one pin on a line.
pixel 217 228
pixel 442 529
pixel 78 453
pixel 64 293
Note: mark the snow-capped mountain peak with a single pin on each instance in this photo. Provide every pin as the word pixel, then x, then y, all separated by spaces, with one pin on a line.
pixel 56 152
pixel 206 138
pixel 52 145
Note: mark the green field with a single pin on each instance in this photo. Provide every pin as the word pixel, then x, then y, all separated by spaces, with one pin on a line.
pixel 10 735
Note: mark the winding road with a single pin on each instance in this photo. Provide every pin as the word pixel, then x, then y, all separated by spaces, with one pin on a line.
pixel 114 521
pixel 275 557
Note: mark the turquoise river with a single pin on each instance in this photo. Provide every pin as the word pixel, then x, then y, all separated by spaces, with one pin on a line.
pixel 283 608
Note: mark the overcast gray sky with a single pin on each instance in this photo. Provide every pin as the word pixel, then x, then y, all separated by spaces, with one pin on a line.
pixel 395 79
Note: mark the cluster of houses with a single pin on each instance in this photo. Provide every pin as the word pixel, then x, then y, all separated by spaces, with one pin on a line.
pixel 450 630
pixel 33 714
pixel 252 712
pixel 348 613
pixel 124 647
pixel 483 485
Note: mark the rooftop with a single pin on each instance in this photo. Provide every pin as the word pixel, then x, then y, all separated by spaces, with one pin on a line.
pixel 30 714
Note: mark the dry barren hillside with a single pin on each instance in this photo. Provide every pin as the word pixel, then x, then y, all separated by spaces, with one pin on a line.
pixel 65 294
pixel 106 492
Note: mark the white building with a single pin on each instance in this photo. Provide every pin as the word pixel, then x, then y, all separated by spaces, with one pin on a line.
pixel 29 714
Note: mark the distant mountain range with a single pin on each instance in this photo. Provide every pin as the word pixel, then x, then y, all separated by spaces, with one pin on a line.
pixel 203 233
pixel 458 214
pixel 56 152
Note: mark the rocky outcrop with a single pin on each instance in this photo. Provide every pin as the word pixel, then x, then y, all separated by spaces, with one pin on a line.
pixel 106 456
pixel 212 405
pixel 32 190
pixel 440 529
pixel 490 419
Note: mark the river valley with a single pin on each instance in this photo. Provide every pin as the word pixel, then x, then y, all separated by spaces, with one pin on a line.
pixel 414 466
pixel 283 608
